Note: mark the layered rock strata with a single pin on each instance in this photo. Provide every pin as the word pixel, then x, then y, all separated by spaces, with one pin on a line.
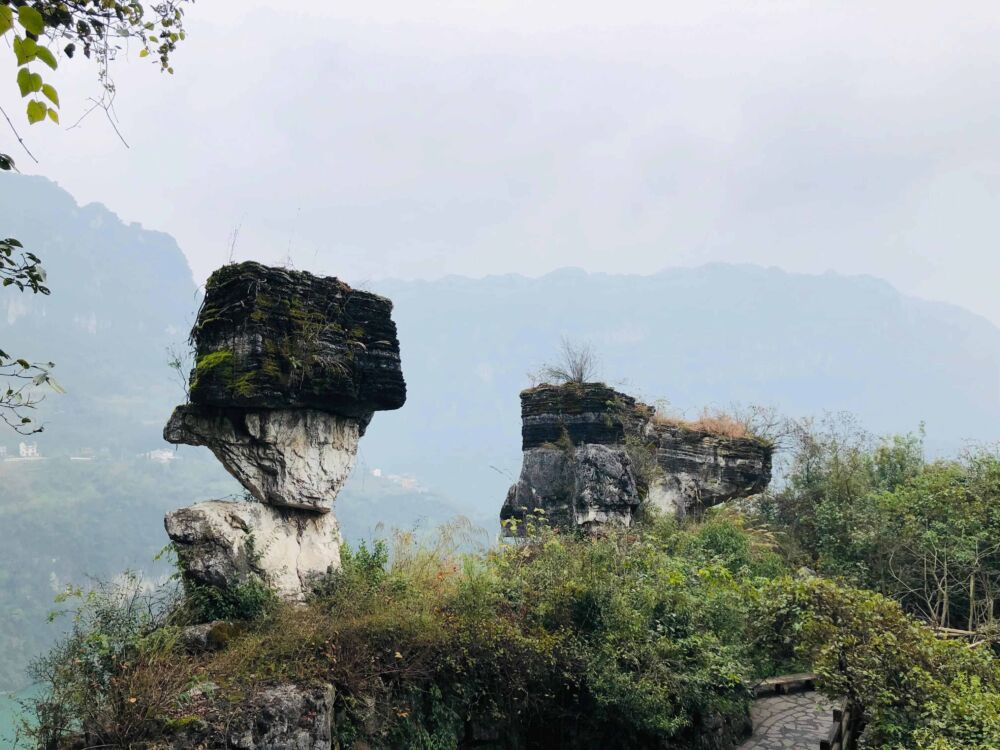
pixel 576 469
pixel 590 413
pixel 581 445
pixel 271 338
pixel 699 469
pixel 289 369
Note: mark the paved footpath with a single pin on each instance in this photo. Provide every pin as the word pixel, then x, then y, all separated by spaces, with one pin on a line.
pixel 789 722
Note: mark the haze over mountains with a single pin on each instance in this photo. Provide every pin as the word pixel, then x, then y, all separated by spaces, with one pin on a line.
pixel 712 335
pixel 706 336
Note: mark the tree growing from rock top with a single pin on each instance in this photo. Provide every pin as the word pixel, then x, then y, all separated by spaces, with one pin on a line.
pixel 39 35
pixel 576 363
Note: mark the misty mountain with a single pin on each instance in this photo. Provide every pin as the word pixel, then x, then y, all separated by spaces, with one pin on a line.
pixel 120 296
pixel 707 336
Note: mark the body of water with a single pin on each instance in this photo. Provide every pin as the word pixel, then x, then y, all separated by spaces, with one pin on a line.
pixel 10 711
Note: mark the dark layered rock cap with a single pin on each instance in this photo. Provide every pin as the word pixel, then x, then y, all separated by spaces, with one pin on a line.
pixel 585 412
pixel 273 338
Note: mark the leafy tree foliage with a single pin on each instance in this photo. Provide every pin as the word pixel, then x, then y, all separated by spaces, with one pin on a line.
pixel 22 270
pixel 100 29
pixel 875 512
pixel 34 32
pixel 916 690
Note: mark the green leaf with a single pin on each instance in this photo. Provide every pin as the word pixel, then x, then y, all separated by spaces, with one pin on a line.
pixel 31 20
pixel 51 94
pixel 6 19
pixel 36 111
pixel 53 115
pixel 144 53
pixel 46 57
pixel 25 50
pixel 24 81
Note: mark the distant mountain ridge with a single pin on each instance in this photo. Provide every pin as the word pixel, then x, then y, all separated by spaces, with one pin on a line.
pixel 709 335
pixel 705 336
pixel 121 295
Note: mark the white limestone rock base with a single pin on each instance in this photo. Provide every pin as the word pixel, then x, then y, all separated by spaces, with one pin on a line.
pixel 294 458
pixel 224 543
pixel 580 487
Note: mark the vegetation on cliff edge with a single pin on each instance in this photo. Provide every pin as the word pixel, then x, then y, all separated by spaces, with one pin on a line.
pixel 636 637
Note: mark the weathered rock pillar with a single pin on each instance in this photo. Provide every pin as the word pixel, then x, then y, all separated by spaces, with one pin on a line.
pixel 576 469
pixel 579 441
pixel 289 369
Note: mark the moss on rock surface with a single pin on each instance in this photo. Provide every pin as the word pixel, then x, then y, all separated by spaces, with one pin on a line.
pixel 275 338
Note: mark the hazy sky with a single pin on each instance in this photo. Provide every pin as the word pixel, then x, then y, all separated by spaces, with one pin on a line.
pixel 415 139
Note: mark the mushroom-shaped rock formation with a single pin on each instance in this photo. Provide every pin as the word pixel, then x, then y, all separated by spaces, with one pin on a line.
pixel 579 440
pixel 289 368
pixel 576 469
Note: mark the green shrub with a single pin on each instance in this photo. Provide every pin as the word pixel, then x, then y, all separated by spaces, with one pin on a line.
pixel 916 690
pixel 118 648
pixel 874 512
pixel 251 600
pixel 639 638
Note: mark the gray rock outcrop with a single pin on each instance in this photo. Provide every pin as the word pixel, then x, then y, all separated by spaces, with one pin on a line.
pixel 282 717
pixel 296 458
pixel 289 369
pixel 699 469
pixel 576 469
pixel 579 486
pixel 593 455
pixel 225 543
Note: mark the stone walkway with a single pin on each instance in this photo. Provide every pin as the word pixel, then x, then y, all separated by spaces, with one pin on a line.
pixel 789 722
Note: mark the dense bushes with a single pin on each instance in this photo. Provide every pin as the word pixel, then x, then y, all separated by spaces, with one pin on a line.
pixel 561 641
pixel 644 638
pixel 916 690
pixel 114 673
pixel 632 637
pixel 874 512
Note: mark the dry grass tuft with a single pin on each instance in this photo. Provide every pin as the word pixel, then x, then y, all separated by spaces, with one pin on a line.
pixel 714 422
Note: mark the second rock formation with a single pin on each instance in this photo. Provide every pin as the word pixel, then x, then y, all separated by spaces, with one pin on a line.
pixel 593 455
